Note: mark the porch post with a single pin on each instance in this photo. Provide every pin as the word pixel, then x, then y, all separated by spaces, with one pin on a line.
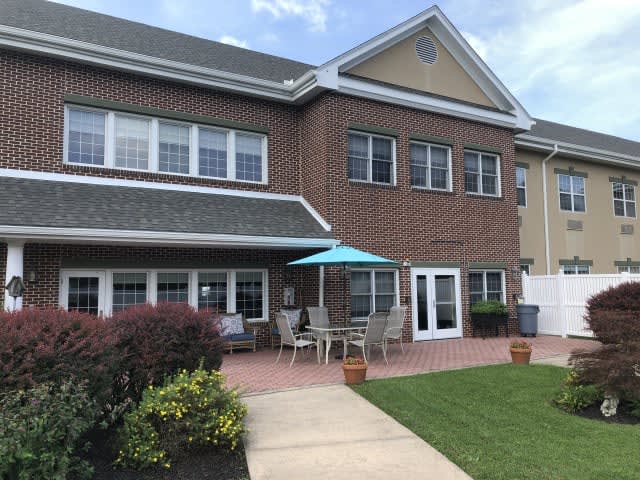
pixel 15 267
pixel 321 288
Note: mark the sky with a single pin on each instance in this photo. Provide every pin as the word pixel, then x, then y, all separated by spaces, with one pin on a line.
pixel 572 62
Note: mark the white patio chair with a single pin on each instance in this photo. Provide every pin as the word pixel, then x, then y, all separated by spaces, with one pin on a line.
pixel 288 338
pixel 374 335
pixel 394 326
pixel 319 317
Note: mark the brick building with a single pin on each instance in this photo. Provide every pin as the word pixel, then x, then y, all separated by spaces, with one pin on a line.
pixel 143 165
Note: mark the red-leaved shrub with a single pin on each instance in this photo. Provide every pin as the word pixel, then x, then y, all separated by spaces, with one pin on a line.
pixel 614 317
pixel 38 346
pixel 157 341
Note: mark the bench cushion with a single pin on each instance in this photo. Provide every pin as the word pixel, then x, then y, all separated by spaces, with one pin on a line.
pixel 242 337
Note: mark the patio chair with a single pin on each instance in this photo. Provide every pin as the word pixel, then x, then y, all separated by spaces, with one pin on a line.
pixel 237 332
pixel 295 317
pixel 287 337
pixel 319 317
pixel 374 335
pixel 394 326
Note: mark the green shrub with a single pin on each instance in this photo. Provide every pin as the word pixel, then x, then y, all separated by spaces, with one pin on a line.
pixel 191 410
pixel 574 396
pixel 635 408
pixel 492 307
pixel 41 429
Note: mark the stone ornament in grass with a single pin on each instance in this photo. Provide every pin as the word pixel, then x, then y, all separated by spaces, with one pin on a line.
pixel 609 406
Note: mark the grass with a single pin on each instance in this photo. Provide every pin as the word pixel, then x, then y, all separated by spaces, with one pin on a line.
pixel 497 422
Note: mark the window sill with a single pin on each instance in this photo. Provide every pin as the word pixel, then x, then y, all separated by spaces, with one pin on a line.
pixel 431 190
pixel 359 183
pixel 480 196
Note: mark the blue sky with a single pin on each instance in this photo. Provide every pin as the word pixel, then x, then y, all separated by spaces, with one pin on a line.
pixel 573 62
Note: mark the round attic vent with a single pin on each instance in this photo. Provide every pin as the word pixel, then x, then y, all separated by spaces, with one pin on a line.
pixel 426 50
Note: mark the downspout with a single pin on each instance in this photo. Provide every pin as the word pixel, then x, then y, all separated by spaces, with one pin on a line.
pixel 545 203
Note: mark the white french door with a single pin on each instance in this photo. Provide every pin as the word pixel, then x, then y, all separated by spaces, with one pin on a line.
pixel 82 291
pixel 436 303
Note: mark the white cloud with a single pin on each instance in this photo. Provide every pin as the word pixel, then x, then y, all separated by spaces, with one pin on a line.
pixel 229 40
pixel 479 45
pixel 314 12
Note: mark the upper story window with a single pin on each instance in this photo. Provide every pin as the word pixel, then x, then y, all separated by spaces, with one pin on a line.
pixel 572 193
pixel 113 140
pixel 521 186
pixel 624 200
pixel 576 269
pixel 481 173
pixel 629 269
pixel 430 166
pixel 371 158
pixel 86 141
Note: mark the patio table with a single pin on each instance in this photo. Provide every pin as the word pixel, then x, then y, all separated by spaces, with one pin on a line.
pixel 324 334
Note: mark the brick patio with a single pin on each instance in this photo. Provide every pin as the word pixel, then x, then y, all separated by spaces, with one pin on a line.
pixel 257 372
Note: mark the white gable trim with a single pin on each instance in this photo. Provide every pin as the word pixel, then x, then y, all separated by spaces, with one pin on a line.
pixel 448 35
pixel 112 182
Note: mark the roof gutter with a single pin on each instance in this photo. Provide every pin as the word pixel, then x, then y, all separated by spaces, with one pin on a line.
pixel 545 202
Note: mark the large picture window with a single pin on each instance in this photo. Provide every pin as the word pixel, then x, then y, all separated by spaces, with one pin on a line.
pixel 481 173
pixel 212 291
pixel 371 158
pixel 129 289
pixel 173 287
pixel 249 294
pixel 372 291
pixel 486 285
pixel 430 166
pixel 135 142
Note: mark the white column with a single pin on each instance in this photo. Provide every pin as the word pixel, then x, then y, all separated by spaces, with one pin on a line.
pixel 15 266
pixel 321 288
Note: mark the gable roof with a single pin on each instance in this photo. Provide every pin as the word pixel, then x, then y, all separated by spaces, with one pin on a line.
pixel 99 29
pixel 154 213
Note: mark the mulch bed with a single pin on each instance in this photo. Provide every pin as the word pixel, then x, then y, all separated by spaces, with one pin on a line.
pixel 623 416
pixel 207 464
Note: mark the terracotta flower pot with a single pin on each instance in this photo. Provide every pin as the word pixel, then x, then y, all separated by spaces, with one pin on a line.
pixel 520 356
pixel 354 374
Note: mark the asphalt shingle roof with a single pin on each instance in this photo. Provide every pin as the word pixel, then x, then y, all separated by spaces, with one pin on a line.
pixel 585 138
pixel 96 28
pixel 43 203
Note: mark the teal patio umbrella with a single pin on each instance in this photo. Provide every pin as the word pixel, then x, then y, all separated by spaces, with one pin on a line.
pixel 344 256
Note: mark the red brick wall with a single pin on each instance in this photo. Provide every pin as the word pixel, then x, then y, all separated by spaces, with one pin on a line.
pixel 307 155
pixel 32 91
pixel 409 224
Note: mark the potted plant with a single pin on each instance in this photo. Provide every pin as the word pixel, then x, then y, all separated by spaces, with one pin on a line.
pixel 489 313
pixel 520 352
pixel 355 370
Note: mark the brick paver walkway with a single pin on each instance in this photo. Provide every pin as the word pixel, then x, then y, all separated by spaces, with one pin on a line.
pixel 257 372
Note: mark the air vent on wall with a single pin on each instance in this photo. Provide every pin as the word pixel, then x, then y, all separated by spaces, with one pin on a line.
pixel 626 229
pixel 574 225
pixel 426 50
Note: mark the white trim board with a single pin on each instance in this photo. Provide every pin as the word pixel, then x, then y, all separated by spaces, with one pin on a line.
pixel 97 235
pixel 112 182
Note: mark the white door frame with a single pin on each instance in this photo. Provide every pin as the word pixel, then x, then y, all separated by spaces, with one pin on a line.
pixel 433 332
pixel 64 286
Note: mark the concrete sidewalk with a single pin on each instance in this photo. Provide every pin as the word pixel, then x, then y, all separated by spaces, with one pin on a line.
pixel 330 432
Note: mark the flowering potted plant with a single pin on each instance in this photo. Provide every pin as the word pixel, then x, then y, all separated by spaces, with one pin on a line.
pixel 520 352
pixel 355 370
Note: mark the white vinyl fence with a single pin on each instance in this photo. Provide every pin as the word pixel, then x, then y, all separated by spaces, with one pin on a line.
pixel 562 299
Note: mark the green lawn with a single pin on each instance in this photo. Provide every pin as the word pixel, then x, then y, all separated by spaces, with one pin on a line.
pixel 497 423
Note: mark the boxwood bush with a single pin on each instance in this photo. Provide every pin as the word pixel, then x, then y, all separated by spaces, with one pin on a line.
pixel 490 307
pixel 41 429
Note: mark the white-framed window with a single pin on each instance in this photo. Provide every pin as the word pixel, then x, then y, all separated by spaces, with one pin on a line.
pixel 576 269
pixel 107 139
pixel 85 137
pixel 486 285
pixel 629 269
pixel 112 290
pixel 572 193
pixel 624 200
pixel 525 268
pixel 128 289
pixel 521 186
pixel 372 158
pixel 132 142
pixel 373 291
pixel 430 166
pixel 482 173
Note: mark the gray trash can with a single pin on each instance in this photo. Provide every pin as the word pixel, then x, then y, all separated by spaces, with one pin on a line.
pixel 528 319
